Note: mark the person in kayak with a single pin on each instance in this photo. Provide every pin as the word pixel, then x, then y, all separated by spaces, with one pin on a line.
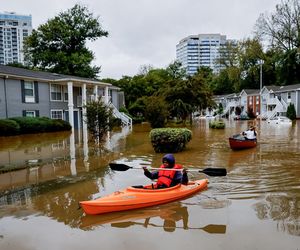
pixel 250 134
pixel 168 178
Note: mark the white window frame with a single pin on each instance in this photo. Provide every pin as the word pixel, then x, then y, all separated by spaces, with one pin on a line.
pixel 53 90
pixel 28 112
pixel 55 114
pixel 29 98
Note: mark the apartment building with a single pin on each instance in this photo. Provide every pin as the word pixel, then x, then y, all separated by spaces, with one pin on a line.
pixel 200 50
pixel 14 28
pixel 32 93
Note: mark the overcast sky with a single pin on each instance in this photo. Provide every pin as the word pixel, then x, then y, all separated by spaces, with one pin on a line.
pixel 145 32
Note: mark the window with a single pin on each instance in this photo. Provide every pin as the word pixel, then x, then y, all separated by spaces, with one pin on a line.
pixel 56 92
pixel 289 96
pixel 56 114
pixel 29 113
pixel 29 91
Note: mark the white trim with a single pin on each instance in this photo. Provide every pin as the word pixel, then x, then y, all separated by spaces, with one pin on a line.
pixel 57 110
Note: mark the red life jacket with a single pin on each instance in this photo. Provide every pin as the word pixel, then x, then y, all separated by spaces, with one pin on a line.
pixel 165 177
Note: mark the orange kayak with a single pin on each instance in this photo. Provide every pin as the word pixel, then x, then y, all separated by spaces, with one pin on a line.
pixel 133 198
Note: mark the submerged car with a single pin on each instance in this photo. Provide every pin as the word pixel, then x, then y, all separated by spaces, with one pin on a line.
pixel 280 120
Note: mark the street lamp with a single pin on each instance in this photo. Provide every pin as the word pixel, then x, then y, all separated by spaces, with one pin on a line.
pixel 261 62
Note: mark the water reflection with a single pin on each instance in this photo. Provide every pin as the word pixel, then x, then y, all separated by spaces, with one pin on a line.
pixel 282 209
pixel 49 156
pixel 168 217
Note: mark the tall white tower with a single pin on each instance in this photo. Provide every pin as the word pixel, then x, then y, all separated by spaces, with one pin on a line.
pixel 13 29
pixel 200 50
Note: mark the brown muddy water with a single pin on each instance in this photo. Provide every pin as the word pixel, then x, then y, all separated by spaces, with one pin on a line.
pixel 256 206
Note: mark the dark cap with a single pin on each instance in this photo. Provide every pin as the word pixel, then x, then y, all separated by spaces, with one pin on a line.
pixel 169 158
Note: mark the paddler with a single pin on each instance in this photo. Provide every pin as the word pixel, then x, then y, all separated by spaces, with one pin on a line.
pixel 168 178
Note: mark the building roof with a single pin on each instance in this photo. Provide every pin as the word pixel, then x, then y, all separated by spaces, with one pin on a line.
pixel 15 72
pixel 252 91
pixel 283 88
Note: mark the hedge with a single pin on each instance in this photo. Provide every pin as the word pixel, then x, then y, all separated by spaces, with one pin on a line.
pixel 9 127
pixel 170 140
pixel 31 125
pixel 217 124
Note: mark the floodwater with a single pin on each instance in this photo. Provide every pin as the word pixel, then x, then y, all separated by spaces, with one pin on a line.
pixel 256 206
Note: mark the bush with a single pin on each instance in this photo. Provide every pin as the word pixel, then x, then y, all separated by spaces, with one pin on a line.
pixel 31 125
pixel 57 125
pixel 9 127
pixel 291 112
pixel 170 140
pixel 217 124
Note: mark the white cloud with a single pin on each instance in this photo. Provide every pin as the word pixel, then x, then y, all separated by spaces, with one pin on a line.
pixel 147 31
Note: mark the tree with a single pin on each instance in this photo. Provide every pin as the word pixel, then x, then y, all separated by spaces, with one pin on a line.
pixel 240 66
pixel 98 118
pixel 185 96
pixel 291 112
pixel 156 111
pixel 282 30
pixel 60 44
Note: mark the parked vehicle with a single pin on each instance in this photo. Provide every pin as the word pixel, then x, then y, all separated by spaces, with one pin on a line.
pixel 280 120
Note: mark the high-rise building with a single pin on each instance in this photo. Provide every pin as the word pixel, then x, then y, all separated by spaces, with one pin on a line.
pixel 13 29
pixel 200 50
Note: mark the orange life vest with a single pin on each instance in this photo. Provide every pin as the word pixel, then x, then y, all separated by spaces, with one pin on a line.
pixel 165 177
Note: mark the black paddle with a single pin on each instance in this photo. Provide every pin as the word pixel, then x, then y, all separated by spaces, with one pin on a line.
pixel 207 171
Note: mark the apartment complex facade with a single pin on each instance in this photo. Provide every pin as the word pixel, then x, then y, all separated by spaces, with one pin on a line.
pixel 32 93
pixel 267 103
pixel 14 28
pixel 200 50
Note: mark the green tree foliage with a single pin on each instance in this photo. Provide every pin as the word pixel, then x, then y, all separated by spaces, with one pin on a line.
pixel 240 67
pixel 156 111
pixel 98 118
pixel 282 29
pixel 60 44
pixel 291 112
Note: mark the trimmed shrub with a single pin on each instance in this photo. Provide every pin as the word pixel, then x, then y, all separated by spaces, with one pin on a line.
pixel 9 127
pixel 32 125
pixel 217 124
pixel 170 140
pixel 57 125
